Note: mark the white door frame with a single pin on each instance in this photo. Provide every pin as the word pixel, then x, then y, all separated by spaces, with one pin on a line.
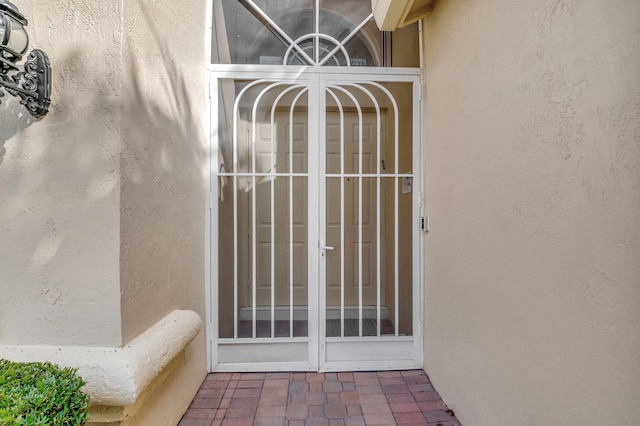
pixel 405 351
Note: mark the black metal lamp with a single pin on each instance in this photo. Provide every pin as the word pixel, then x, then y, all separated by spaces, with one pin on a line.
pixel 32 81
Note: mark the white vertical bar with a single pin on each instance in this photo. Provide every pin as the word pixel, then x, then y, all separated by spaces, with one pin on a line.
pixel 378 216
pixel 317 37
pixel 418 159
pixel 272 167
pixel 254 241
pixel 254 211
pixel 235 257
pixel 342 208
pixel 291 247
pixel 379 220
pixel 360 233
pixel 342 216
pixel 212 249
pixel 315 113
pixel 235 218
pixel 396 227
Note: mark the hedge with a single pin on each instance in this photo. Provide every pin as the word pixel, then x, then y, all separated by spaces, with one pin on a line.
pixel 38 393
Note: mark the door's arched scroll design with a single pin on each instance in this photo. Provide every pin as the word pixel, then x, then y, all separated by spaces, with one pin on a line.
pixel 316 255
pixel 254 175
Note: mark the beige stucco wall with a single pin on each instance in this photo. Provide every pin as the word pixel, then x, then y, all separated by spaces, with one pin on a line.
pixel 103 201
pixel 532 298
pixel 59 185
pixel 163 161
pixel 163 186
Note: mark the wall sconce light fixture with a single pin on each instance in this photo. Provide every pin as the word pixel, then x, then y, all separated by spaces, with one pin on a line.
pixel 32 81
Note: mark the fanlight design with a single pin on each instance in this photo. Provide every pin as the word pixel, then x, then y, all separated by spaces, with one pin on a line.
pixel 310 49
pixel 299 32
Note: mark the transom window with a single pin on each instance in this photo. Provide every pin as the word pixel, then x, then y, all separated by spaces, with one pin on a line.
pixel 298 32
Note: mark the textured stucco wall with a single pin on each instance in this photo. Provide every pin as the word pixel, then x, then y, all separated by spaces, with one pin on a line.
pixel 59 185
pixel 102 202
pixel 163 160
pixel 533 189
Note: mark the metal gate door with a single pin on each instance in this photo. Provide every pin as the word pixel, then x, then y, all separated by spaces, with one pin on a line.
pixel 314 219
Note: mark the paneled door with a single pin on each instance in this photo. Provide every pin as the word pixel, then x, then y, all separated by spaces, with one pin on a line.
pixel 314 219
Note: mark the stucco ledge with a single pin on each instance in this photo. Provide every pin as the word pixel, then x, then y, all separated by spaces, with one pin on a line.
pixel 118 376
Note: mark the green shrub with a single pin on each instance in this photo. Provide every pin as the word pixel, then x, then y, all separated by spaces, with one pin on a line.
pixel 38 393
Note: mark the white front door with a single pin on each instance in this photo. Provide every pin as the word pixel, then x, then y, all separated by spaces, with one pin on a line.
pixel 314 243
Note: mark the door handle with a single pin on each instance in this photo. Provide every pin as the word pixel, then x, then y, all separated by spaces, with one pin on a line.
pixel 325 248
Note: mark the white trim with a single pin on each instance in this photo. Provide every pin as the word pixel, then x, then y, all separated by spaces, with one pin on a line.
pixel 253 72
pixel 336 366
pixel 211 227
pixel 315 217
pixel 418 287
pixel 258 367
pixel 209 214
pixel 423 208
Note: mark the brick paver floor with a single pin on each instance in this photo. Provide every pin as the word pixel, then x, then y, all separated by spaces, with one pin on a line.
pixel 296 399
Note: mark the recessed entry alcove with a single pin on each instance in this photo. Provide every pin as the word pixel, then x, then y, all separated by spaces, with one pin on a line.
pixel 316 123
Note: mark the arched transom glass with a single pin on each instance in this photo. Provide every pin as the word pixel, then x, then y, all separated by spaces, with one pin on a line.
pixel 297 32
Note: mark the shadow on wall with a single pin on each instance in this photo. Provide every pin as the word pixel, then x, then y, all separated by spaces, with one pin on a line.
pixel 99 159
pixel 58 186
pixel 163 180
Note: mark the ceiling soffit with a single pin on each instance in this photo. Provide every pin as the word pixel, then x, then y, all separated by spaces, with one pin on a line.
pixel 394 14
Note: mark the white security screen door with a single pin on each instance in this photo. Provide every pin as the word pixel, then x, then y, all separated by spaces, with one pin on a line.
pixel 314 231
pixel 368 282
pixel 315 208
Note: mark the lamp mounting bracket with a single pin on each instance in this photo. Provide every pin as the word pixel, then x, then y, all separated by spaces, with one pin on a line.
pixel 32 84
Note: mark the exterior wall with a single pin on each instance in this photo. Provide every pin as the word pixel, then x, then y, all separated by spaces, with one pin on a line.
pixel 163 162
pixel 59 185
pixel 533 189
pixel 102 212
pixel 163 186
